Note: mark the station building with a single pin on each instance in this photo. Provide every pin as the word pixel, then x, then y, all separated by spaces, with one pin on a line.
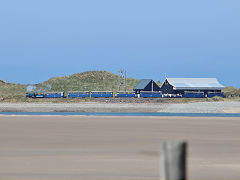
pixel 208 87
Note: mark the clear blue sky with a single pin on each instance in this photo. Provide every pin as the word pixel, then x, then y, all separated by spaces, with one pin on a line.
pixel 42 39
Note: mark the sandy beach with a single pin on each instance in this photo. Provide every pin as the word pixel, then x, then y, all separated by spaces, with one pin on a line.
pixel 110 148
pixel 197 107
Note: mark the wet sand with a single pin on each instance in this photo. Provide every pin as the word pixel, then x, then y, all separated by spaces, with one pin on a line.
pixel 91 147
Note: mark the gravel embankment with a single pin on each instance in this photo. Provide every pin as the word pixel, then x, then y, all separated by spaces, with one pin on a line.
pixel 80 107
pixel 198 107
pixel 204 107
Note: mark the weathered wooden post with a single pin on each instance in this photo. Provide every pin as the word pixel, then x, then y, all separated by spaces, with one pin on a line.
pixel 173 160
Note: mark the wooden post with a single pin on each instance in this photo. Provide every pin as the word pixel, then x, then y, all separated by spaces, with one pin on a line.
pixel 173 160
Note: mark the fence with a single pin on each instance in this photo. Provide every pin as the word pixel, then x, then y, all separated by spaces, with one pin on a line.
pixel 173 161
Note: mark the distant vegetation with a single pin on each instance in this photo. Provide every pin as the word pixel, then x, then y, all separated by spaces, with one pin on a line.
pixel 232 92
pixel 10 90
pixel 88 81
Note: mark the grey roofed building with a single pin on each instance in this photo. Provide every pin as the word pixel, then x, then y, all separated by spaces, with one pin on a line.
pixel 180 85
pixel 195 83
pixel 146 85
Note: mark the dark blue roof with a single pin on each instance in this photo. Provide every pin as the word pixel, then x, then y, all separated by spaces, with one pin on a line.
pixel 142 84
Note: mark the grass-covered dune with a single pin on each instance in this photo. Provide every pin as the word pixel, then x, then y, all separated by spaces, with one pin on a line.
pixel 11 90
pixel 88 81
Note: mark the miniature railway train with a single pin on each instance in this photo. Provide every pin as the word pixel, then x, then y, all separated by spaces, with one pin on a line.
pixel 122 94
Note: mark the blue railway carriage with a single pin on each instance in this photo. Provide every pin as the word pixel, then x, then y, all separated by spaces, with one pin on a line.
pixel 151 94
pixel 54 95
pixel 99 94
pixel 213 94
pixel 125 94
pixel 80 94
pixel 189 94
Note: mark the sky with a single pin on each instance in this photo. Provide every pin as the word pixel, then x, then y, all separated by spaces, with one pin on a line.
pixel 149 39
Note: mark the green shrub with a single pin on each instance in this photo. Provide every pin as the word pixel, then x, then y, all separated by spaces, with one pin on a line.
pixel 217 98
